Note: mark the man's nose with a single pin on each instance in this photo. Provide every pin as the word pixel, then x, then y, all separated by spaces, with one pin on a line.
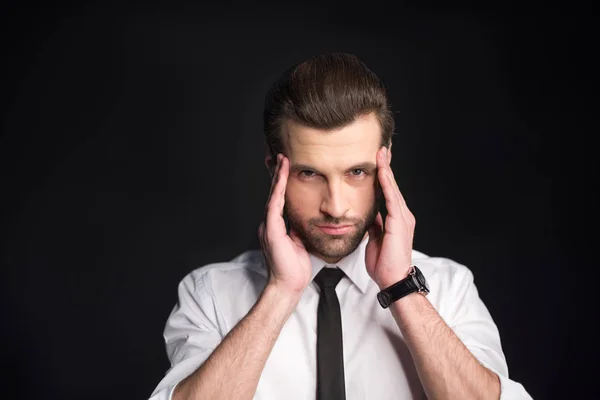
pixel 334 202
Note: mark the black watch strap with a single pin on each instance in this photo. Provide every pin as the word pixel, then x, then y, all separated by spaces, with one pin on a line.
pixel 397 291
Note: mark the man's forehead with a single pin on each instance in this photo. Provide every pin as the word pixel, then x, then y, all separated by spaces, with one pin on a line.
pixel 361 137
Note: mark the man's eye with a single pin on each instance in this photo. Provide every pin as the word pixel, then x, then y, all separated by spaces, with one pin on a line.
pixel 358 172
pixel 307 174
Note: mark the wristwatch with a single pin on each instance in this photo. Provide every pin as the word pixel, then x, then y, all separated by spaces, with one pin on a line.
pixel 414 282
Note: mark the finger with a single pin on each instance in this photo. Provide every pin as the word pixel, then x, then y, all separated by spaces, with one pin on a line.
pixel 274 180
pixel 376 229
pixel 274 219
pixel 275 173
pixel 390 191
pixel 262 240
pixel 281 185
pixel 391 177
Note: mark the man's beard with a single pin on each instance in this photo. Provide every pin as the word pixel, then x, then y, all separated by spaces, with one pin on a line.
pixel 328 246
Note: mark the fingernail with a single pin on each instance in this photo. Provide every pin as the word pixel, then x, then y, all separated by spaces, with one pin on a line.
pixel 385 151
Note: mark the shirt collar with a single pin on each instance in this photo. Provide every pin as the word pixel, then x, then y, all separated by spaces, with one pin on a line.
pixel 353 266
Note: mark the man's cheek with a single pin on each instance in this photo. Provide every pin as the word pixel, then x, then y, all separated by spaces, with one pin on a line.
pixel 304 200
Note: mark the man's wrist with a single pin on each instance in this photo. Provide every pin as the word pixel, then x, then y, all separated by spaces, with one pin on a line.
pixel 392 280
pixel 281 295
pixel 411 310
pixel 412 285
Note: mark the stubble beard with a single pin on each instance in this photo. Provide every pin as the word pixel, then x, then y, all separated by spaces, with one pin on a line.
pixel 327 246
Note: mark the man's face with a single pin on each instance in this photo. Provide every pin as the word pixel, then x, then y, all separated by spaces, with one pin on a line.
pixel 332 182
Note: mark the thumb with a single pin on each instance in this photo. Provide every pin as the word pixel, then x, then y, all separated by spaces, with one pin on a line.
pixel 376 229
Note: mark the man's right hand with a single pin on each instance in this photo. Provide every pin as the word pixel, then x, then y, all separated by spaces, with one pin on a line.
pixel 286 257
pixel 233 369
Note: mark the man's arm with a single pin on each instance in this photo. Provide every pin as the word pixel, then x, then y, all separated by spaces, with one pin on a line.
pixel 446 368
pixel 233 369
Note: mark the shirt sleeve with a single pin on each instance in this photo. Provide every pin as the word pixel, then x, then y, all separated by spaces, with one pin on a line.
pixel 191 332
pixel 474 325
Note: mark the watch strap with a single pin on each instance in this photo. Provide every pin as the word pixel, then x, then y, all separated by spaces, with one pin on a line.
pixel 398 290
pixel 402 288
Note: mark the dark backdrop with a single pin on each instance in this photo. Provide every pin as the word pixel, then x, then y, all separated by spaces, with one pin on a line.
pixel 131 153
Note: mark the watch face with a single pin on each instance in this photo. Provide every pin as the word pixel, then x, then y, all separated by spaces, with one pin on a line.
pixel 384 299
pixel 421 279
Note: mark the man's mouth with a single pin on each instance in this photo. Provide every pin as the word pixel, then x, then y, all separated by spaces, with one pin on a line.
pixel 335 229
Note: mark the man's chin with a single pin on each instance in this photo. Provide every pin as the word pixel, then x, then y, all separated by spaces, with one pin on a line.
pixel 333 238
pixel 334 246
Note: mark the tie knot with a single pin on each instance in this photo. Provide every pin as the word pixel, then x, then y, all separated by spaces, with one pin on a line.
pixel 329 277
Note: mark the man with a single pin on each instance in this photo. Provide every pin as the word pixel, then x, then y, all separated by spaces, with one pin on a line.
pixel 337 304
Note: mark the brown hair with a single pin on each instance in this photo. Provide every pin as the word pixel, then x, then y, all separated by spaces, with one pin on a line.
pixel 327 91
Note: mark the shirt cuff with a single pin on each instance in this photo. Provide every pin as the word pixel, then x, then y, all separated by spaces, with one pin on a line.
pixel 164 394
pixel 172 391
pixel 509 389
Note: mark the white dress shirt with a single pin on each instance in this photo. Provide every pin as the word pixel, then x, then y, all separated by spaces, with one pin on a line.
pixel 377 363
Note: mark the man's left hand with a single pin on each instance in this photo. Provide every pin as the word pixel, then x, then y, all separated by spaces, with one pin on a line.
pixel 388 252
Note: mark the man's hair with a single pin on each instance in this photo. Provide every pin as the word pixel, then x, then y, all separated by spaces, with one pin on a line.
pixel 326 92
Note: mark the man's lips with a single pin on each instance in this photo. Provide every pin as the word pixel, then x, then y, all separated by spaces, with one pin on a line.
pixel 335 229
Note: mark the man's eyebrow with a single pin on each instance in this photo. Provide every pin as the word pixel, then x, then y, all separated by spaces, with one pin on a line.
pixel 367 166
pixel 301 167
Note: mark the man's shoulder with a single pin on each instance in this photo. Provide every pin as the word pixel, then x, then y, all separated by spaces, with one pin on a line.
pixel 443 269
pixel 243 266
pixel 449 282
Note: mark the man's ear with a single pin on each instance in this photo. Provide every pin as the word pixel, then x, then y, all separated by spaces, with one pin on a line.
pixel 270 164
pixel 389 154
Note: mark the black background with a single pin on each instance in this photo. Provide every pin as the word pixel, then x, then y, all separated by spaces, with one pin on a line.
pixel 131 153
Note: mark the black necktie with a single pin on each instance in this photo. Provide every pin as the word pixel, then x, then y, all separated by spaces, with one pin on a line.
pixel 330 353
